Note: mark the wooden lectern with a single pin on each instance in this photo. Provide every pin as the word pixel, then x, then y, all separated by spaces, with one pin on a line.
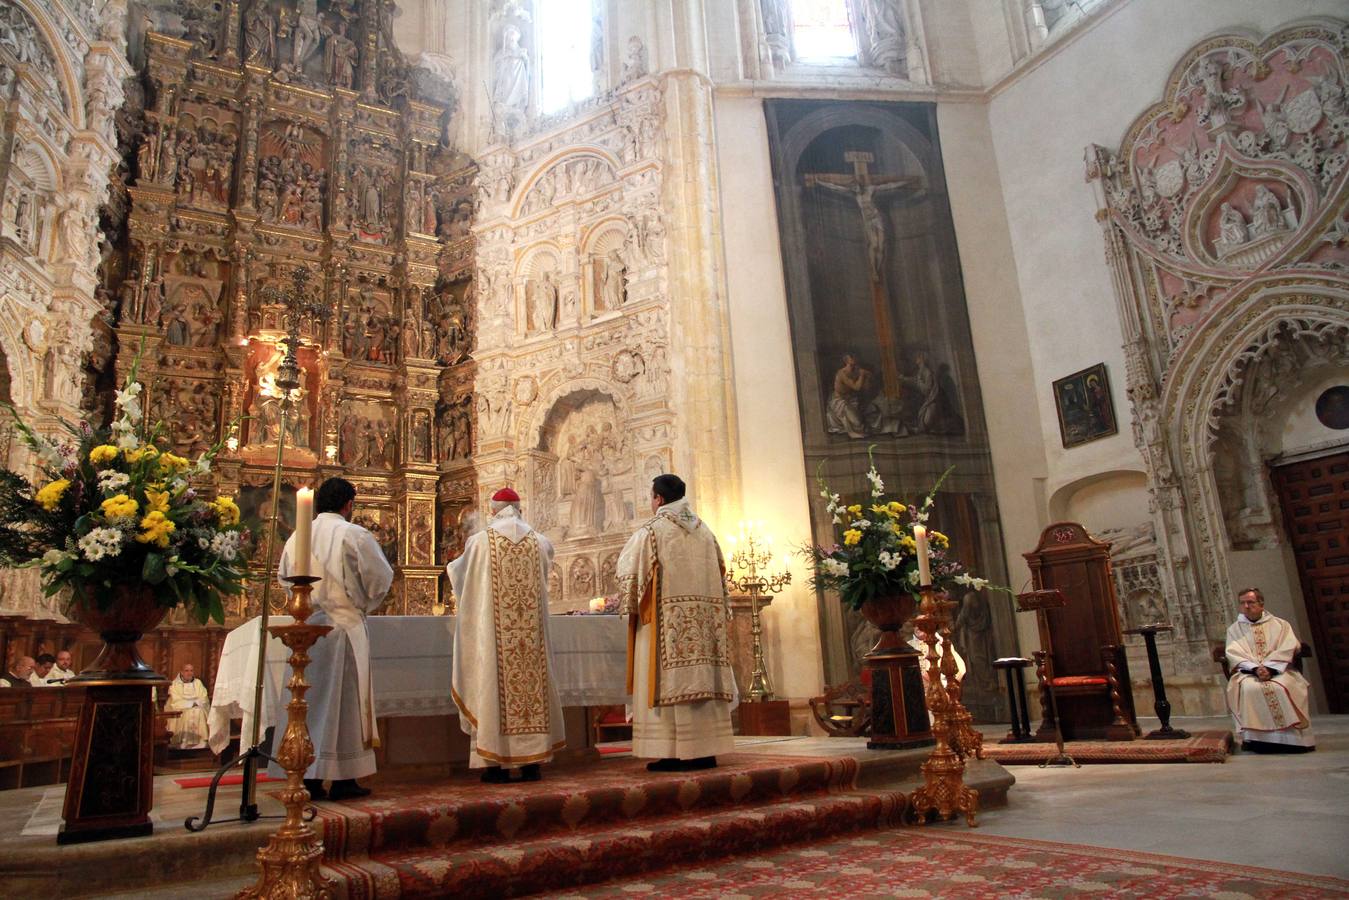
pixel 1085 664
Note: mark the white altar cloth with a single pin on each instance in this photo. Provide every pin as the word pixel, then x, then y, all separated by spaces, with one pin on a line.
pixel 410 668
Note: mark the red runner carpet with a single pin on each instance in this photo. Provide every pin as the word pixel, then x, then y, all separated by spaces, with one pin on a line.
pixel 945 862
pixel 578 826
pixel 201 781
pixel 1202 747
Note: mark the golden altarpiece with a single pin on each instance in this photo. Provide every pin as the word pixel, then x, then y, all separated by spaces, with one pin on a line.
pixel 276 135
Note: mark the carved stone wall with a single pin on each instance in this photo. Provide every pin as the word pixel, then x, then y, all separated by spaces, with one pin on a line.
pixel 272 136
pixel 1224 213
pixel 61 72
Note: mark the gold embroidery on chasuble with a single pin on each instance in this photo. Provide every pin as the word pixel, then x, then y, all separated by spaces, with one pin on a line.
pixel 522 659
pixel 693 632
pixel 1267 689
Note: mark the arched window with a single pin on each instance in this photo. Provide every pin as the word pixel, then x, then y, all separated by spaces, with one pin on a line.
pixel 821 31
pixel 564 34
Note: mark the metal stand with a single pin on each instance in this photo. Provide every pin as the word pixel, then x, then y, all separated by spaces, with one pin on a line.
pixel 1013 667
pixel 298 307
pixel 1060 758
pixel 753 559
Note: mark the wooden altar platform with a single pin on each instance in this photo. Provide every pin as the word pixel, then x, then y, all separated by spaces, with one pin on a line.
pixel 419 835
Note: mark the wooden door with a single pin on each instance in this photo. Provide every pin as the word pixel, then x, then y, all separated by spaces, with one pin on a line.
pixel 1315 500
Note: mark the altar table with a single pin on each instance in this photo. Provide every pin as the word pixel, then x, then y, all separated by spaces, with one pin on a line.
pixel 410 668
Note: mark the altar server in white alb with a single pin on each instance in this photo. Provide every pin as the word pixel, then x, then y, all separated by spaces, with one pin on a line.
pixel 1267 698
pixel 502 674
pixel 187 696
pixel 355 579
pixel 673 587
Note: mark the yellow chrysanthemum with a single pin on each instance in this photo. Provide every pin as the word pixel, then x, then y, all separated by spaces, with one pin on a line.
pixel 908 543
pixel 146 452
pixel 939 539
pixel 103 454
pixel 895 507
pixel 157 501
pixel 155 529
pixel 226 511
pixel 883 511
pixel 855 509
pixel 49 497
pixel 177 463
pixel 120 507
pixel 852 536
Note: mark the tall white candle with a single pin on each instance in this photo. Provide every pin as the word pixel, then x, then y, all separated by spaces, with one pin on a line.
pixel 924 564
pixel 304 521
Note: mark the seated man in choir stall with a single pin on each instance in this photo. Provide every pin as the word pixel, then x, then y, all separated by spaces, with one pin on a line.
pixel 672 585
pixel 1267 698
pixel 42 667
pixel 187 696
pixel 62 671
pixel 355 580
pixel 19 673
pixel 502 671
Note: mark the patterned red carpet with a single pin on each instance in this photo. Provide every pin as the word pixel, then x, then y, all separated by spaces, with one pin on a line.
pixel 579 826
pixel 1203 747
pixel 949 863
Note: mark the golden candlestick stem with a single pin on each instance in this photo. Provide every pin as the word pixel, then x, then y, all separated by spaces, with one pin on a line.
pixel 965 738
pixel 944 790
pixel 290 861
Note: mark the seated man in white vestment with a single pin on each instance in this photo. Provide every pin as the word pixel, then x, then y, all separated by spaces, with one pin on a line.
pixel 673 588
pixel 62 671
pixel 187 695
pixel 42 666
pixel 502 670
pixel 1267 698
pixel 355 579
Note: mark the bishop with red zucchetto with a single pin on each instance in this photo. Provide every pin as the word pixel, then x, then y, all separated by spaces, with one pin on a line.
pixel 502 679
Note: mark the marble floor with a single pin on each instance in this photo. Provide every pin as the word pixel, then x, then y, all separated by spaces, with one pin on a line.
pixel 1279 812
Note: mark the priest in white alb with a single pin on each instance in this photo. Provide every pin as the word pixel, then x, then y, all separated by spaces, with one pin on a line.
pixel 502 673
pixel 355 579
pixel 673 588
pixel 188 697
pixel 1266 696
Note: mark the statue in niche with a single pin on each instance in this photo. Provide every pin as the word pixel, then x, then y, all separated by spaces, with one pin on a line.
pixel 265 413
pixel 541 304
pixel 207 320
pixel 349 438
pixel 259 32
pixel 852 410
pixel 634 61
pixel 776 31
pixel 587 502
pixel 50 377
pixel 1274 119
pixel 456 428
pixel 372 208
pixel 341 56
pixel 421 436
pixel 297 427
pixel 613 273
pixel 305 35
pixel 1218 105
pixel 884 35
pixel 70 229
pixel 510 81
pixel 975 640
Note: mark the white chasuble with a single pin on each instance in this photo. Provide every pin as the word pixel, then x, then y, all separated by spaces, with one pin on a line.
pixel 189 730
pixel 355 579
pixel 672 584
pixel 502 668
pixel 1273 711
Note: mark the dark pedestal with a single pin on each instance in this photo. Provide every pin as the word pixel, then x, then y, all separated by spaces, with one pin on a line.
pixel 1014 668
pixel 898 710
pixel 111 787
pixel 765 717
pixel 1160 704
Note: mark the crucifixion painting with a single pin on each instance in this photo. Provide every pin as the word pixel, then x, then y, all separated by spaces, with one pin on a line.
pixel 865 189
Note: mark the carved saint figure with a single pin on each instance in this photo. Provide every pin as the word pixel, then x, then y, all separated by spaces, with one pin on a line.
pixel 305 36
pixel 885 35
pixel 634 62
pixel 542 302
pixel 1266 212
pixel 1232 226
pixel 510 78
pixel 612 278
pixel 259 32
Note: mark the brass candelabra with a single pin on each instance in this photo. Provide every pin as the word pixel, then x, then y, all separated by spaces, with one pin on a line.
pixel 752 557
pixel 944 790
pixel 290 861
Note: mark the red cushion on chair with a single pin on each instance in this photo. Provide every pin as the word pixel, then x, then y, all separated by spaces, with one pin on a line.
pixel 1073 680
pixel 614 717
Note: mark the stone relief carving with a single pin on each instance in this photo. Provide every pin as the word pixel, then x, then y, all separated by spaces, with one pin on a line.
pixel 1224 183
